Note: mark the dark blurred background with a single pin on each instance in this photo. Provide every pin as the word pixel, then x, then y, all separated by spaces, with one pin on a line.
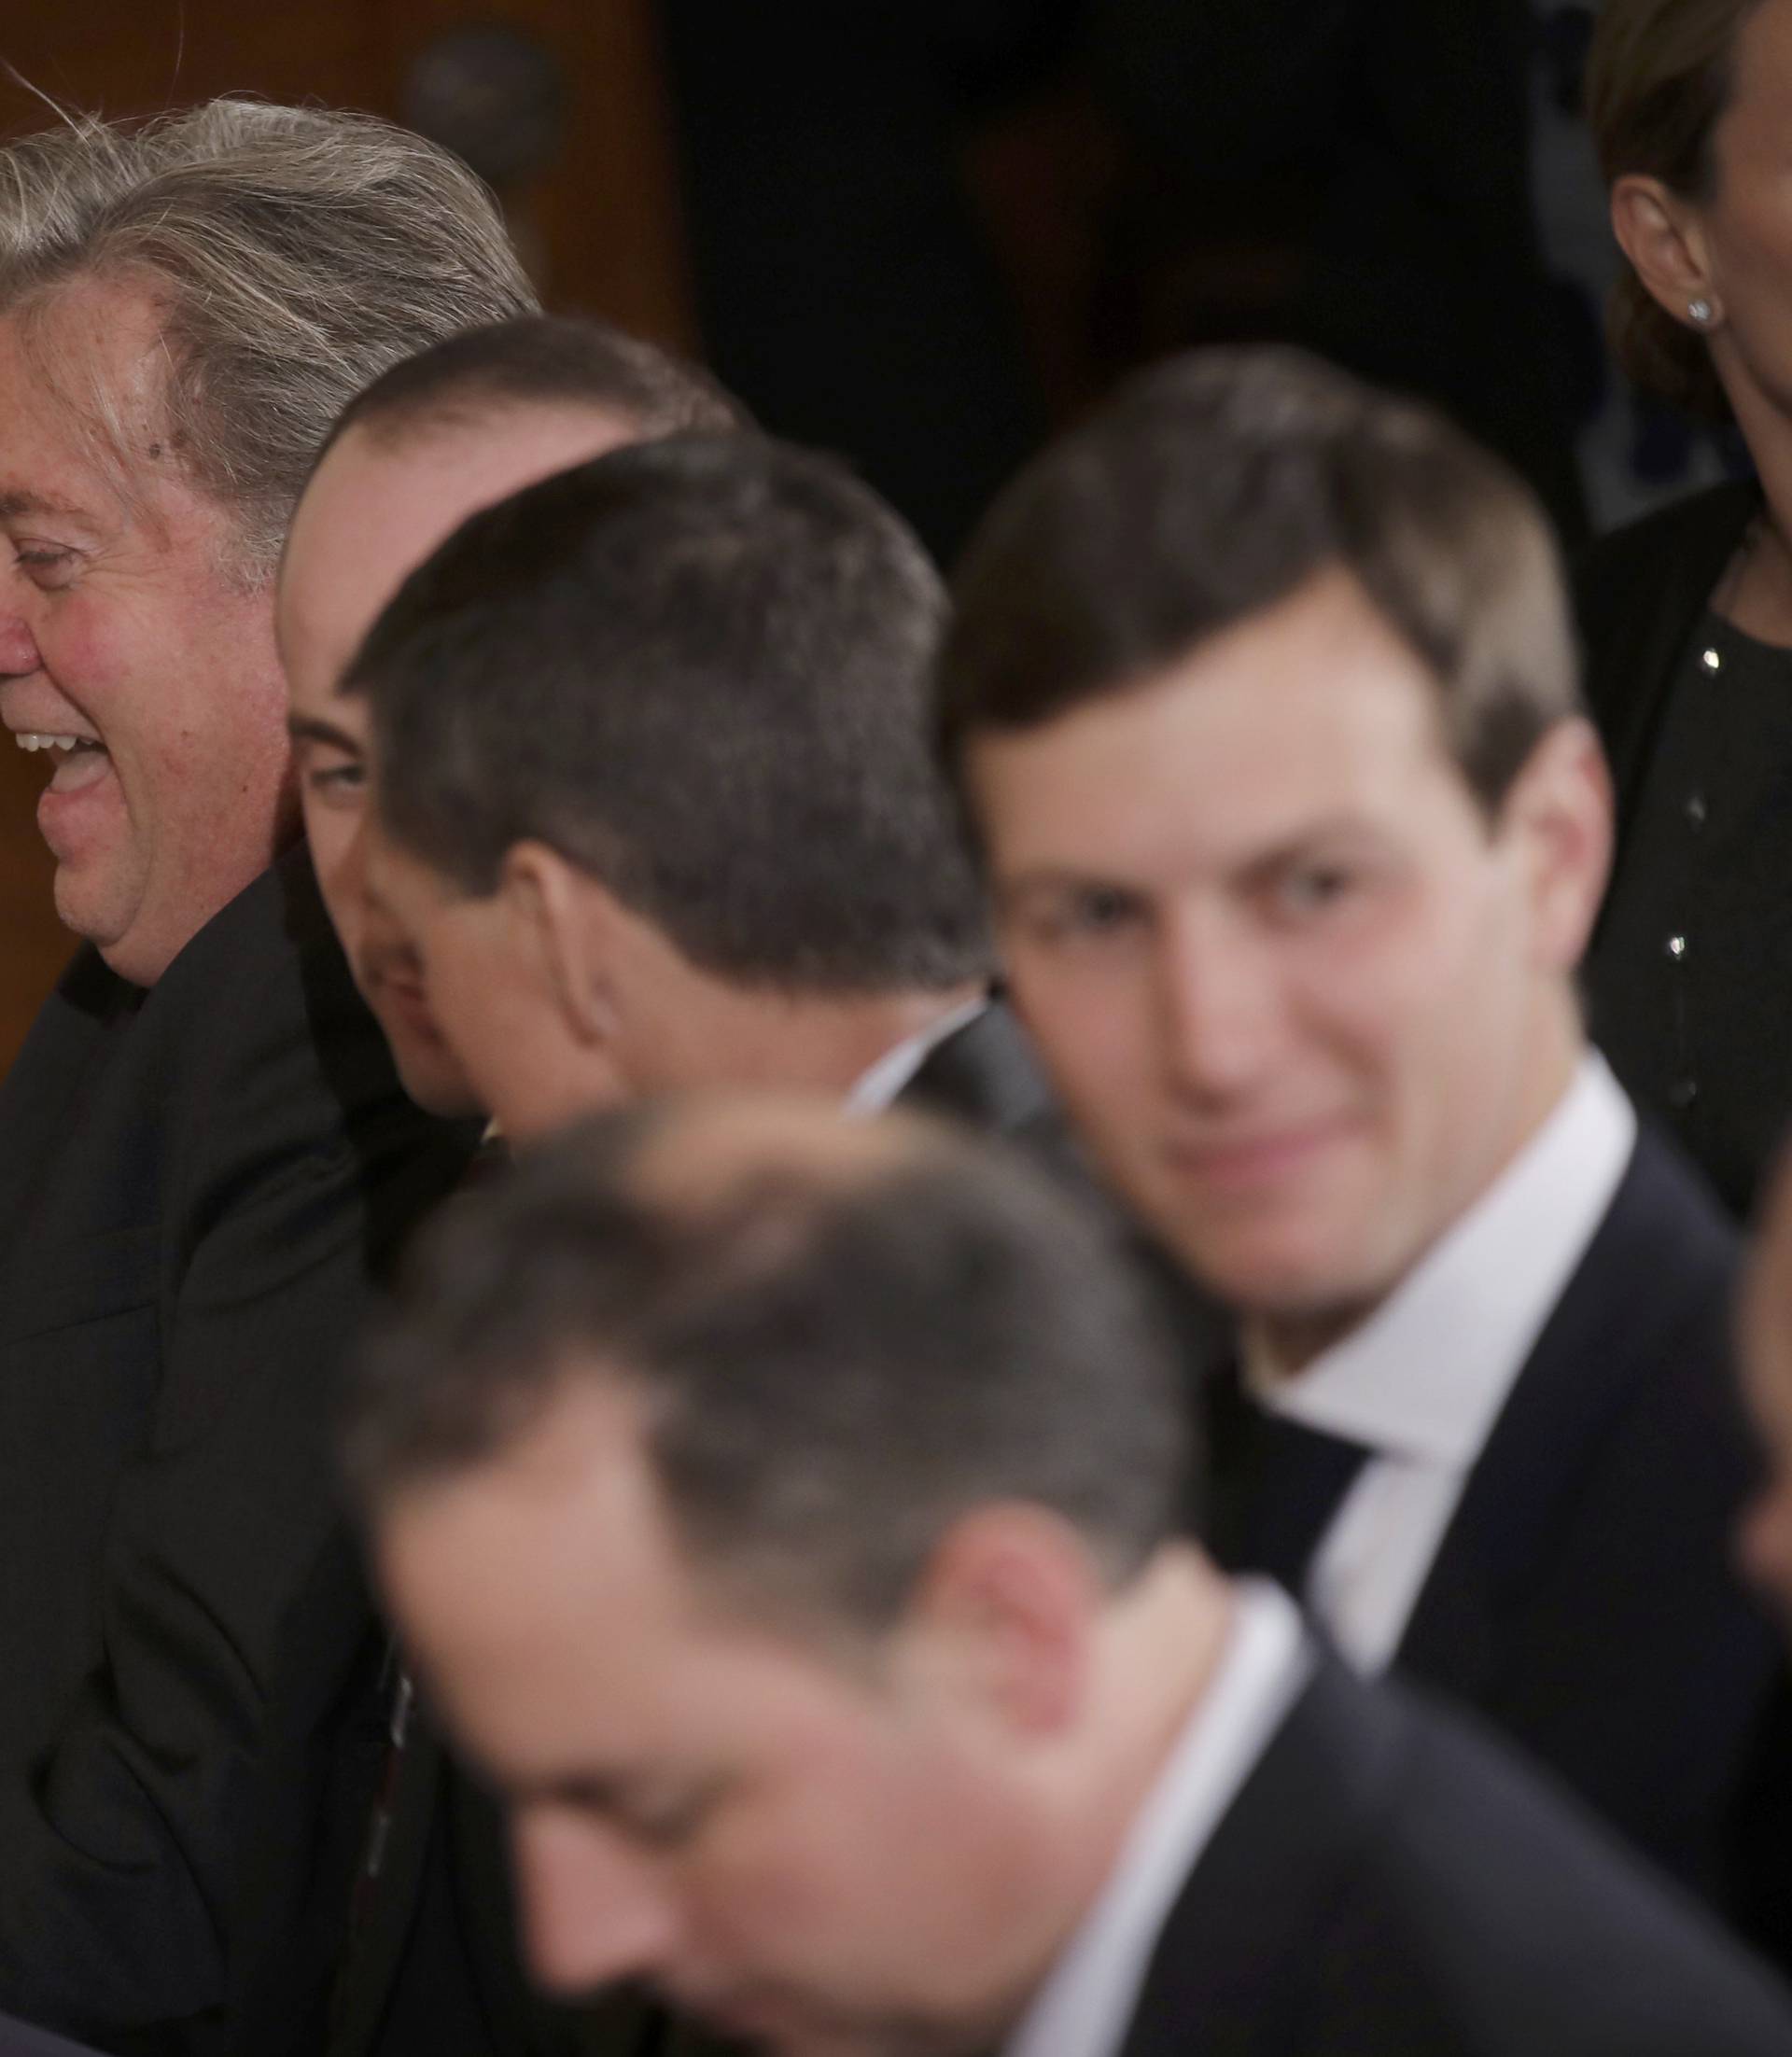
pixel 924 234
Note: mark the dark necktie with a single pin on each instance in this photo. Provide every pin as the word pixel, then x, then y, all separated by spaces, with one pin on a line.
pixel 1275 1484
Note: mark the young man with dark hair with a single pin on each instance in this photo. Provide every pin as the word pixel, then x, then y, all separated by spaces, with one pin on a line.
pixel 1261 694
pixel 784 1510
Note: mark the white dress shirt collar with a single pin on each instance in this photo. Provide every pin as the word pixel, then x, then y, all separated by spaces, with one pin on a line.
pixel 1087 2003
pixel 877 1089
pixel 1425 1378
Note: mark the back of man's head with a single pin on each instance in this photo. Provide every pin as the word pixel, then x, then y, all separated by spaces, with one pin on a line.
pixel 846 1336
pixel 468 378
pixel 699 670
pixel 293 253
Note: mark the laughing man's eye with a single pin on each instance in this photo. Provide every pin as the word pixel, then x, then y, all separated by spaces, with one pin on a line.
pixel 45 565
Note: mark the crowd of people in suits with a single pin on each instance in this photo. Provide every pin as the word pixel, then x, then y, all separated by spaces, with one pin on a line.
pixel 751 1303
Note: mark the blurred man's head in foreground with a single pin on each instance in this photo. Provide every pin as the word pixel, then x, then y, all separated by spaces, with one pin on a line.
pixel 783 1510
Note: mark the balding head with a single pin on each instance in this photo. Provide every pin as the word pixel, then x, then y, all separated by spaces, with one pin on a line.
pixel 844 1336
pixel 779 1512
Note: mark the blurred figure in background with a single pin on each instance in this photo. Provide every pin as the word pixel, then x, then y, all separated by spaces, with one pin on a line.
pixel 785 1511
pixel 432 1964
pixel 1262 691
pixel 1686 615
pixel 453 429
pixel 204 1149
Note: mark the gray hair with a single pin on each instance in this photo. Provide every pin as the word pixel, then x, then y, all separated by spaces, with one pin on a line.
pixel 295 253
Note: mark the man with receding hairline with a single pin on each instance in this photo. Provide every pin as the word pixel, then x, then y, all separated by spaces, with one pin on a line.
pixel 459 425
pixel 431 1958
pixel 204 1152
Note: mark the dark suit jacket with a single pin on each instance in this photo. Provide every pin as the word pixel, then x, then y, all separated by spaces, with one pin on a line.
pixel 19 2040
pixel 195 1182
pixel 1583 1599
pixel 436 1969
pixel 1387 1884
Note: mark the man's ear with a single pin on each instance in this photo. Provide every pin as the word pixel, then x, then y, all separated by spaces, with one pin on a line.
pixel 561 920
pixel 1559 812
pixel 1008 1611
pixel 1661 236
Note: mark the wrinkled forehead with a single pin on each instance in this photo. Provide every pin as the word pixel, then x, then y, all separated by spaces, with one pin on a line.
pixel 84 371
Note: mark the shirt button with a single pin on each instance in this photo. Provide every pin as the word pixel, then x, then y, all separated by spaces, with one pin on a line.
pixel 1676 946
pixel 1682 1094
pixel 1696 809
pixel 1711 661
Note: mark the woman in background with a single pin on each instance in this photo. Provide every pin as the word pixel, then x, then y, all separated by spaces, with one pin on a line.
pixel 1687 614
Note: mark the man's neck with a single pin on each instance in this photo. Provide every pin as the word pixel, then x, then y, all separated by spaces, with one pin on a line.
pixel 1289 1341
pixel 798 1042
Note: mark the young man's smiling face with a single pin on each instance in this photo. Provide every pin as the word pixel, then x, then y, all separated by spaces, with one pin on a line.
pixel 1301 997
pixel 375 507
pixel 130 627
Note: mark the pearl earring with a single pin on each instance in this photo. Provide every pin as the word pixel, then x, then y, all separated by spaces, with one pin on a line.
pixel 1698 311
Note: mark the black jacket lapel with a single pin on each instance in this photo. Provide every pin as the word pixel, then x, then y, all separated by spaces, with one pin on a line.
pixel 1619 1313
pixel 1233 1970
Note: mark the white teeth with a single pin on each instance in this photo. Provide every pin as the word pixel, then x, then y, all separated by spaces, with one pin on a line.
pixel 30 740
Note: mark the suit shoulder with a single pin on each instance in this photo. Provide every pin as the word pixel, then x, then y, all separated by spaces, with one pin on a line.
pixel 1665 1209
pixel 274 939
pixel 261 1037
pixel 1530 1918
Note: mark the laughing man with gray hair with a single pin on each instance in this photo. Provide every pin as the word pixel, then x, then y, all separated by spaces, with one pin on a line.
pixel 203 1149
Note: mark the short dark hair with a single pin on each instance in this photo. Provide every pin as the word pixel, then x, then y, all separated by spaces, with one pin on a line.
pixel 699 668
pixel 1213 487
pixel 833 1369
pixel 539 361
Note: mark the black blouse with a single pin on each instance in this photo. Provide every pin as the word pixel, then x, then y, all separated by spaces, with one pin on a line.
pixel 1690 978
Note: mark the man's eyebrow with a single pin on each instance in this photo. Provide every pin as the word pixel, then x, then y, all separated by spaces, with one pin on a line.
pixel 1060 879
pixel 600 1792
pixel 308 728
pixel 15 503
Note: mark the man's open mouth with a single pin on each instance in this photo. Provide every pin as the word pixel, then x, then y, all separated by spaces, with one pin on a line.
pixel 79 760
